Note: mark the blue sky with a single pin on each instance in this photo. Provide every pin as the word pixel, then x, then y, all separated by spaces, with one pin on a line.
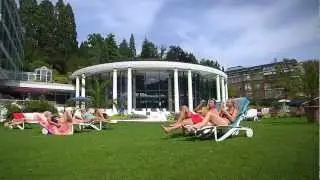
pixel 235 32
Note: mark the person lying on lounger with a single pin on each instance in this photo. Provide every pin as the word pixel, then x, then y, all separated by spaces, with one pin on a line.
pixel 223 118
pixel 63 125
pixel 191 118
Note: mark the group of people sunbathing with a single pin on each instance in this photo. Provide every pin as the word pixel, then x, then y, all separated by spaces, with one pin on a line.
pixel 203 115
pixel 59 125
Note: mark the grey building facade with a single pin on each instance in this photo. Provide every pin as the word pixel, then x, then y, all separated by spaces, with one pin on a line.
pixel 11 40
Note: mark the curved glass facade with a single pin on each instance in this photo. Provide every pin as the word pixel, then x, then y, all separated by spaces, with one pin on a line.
pixel 155 89
pixel 11 38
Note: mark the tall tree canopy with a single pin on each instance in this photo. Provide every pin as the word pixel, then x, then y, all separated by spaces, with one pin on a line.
pixel 132 47
pixel 124 50
pixel 149 50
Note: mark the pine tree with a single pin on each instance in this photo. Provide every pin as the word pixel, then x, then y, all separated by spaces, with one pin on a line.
pixel 124 50
pixel 65 34
pixel 149 50
pixel 28 14
pixel 132 47
pixel 112 48
pixel 46 35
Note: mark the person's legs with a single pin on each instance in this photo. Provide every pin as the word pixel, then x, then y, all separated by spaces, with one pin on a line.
pixel 177 125
pixel 214 119
pixel 182 115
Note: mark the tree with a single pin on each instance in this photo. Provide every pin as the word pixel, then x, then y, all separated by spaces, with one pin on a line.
pixel 162 52
pixel 175 53
pixel 96 49
pixel 112 48
pixel 149 50
pixel 190 58
pixel 124 50
pixel 311 78
pixel 210 63
pixel 288 79
pixel 29 19
pixel 233 91
pixel 132 47
pixel 46 34
pixel 66 34
pixel 97 92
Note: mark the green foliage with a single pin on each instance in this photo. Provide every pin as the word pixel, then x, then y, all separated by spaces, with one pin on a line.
pixel 233 91
pixel 210 63
pixel 39 106
pixel 124 50
pixel 97 92
pixel 112 48
pixel 311 78
pixel 132 47
pixel 127 117
pixel 149 50
pixel 60 78
pixel 12 108
pixel 289 78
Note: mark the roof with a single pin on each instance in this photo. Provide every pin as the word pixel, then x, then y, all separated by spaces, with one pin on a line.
pixel 238 69
pixel 148 65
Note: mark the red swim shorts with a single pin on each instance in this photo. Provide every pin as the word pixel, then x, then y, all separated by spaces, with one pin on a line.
pixel 17 116
pixel 196 118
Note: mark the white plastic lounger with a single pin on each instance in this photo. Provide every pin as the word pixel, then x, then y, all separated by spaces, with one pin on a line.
pixel 232 129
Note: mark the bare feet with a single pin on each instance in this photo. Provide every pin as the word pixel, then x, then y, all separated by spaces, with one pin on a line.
pixel 165 129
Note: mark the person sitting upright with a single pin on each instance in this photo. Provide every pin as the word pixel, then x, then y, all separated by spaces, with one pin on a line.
pixel 192 118
pixel 223 118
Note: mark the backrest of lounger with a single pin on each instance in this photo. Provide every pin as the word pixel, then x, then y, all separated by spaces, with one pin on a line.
pixel 242 106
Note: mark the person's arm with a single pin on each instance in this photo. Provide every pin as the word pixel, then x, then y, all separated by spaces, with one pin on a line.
pixel 54 123
pixel 230 116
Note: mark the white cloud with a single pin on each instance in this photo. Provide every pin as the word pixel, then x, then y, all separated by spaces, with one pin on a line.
pixel 260 37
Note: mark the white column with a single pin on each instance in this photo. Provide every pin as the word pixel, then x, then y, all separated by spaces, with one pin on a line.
pixel 170 100
pixel 134 90
pixel 176 91
pixel 218 88
pixel 190 94
pixel 226 87
pixel 114 90
pixel 83 89
pixel 129 91
pixel 77 90
pixel 223 91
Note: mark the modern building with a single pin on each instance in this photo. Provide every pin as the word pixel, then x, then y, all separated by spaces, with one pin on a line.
pixel 154 84
pixel 14 83
pixel 33 85
pixel 256 82
pixel 11 40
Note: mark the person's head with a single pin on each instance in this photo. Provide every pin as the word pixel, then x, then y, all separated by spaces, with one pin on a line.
pixel 230 103
pixel 211 103
pixel 47 114
pixel 184 108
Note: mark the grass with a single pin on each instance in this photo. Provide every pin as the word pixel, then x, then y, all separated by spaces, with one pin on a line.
pixel 280 149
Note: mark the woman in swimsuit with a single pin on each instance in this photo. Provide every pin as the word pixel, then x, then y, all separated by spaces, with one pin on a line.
pixel 64 124
pixel 223 118
pixel 192 118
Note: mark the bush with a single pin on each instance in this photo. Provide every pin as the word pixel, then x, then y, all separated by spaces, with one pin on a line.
pixel 172 117
pixel 11 108
pixel 127 117
pixel 39 106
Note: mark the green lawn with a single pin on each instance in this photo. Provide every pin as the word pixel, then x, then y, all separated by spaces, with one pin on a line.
pixel 280 149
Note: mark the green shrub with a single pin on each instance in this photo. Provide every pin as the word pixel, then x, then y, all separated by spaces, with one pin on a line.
pixel 283 115
pixel 127 117
pixel 39 106
pixel 11 108
pixel 266 116
pixel 171 117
